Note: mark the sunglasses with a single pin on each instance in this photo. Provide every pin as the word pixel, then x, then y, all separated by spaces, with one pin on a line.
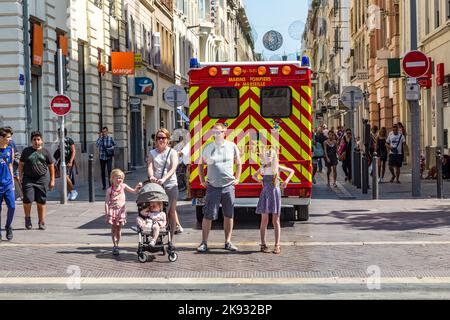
pixel 218 133
pixel 161 138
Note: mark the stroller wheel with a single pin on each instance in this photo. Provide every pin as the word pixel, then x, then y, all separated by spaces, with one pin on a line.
pixel 173 257
pixel 142 257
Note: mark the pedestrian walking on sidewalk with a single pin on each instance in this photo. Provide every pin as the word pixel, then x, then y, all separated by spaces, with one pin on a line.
pixel 382 153
pixel 320 138
pixel 15 164
pixel 105 144
pixel 161 168
pixel 7 180
pixel 115 210
pixel 395 143
pixel 331 159
pixel 70 153
pixel 219 156
pixel 317 154
pixel 35 162
pixel 270 198
pixel 345 154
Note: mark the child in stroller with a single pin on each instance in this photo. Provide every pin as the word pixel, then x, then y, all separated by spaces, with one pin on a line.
pixel 152 220
pixel 152 226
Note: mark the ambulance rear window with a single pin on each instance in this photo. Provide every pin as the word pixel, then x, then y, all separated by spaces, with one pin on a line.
pixel 223 103
pixel 276 102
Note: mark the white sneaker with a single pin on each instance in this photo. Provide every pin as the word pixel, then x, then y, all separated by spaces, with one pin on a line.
pixel 69 196
pixel 74 195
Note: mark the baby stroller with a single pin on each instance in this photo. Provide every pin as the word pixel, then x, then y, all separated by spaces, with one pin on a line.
pixel 153 192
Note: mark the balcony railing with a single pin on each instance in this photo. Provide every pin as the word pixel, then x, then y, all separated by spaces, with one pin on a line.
pixel 331 87
pixel 168 4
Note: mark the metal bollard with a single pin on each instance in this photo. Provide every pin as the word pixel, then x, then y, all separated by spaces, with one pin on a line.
pixel 354 166
pixel 439 177
pixel 91 178
pixel 364 174
pixel 375 176
pixel 357 162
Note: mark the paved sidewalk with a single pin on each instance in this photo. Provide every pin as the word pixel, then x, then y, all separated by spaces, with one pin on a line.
pixel 387 190
pixel 345 237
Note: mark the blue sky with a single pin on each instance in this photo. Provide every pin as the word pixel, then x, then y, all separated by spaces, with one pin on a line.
pixel 278 15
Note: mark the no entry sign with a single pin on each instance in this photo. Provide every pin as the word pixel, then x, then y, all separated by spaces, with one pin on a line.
pixel 415 64
pixel 61 105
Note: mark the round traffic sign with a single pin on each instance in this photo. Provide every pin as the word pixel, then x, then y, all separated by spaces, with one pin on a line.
pixel 415 64
pixel 61 105
pixel 175 95
pixel 352 96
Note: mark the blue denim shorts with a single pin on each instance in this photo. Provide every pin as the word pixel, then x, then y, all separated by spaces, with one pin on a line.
pixel 219 196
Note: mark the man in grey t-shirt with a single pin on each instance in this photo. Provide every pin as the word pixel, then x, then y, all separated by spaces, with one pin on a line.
pixel 219 156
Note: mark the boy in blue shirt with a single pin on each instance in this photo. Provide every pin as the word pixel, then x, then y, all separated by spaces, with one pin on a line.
pixel 7 179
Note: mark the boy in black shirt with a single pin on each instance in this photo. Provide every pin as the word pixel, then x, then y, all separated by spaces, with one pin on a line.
pixel 35 162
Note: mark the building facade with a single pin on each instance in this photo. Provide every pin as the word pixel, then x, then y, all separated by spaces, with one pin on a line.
pixel 326 41
pixel 163 35
pixel 434 41
pixel 84 30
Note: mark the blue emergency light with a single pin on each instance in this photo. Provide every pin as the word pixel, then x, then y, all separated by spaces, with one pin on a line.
pixel 305 61
pixel 194 63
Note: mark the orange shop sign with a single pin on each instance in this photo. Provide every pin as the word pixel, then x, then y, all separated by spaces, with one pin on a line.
pixel 38 45
pixel 122 63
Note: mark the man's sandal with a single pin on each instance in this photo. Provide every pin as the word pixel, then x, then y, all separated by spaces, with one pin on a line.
pixel 277 249
pixel 264 248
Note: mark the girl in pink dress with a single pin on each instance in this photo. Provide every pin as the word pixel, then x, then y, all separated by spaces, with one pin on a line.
pixel 116 214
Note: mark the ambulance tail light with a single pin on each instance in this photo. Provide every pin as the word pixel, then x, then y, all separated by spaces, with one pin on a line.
pixel 237 71
pixel 286 70
pixel 262 71
pixel 212 71
pixel 305 193
pixel 302 193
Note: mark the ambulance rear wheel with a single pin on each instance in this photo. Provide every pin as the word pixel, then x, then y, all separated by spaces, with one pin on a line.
pixel 288 214
pixel 302 213
pixel 199 213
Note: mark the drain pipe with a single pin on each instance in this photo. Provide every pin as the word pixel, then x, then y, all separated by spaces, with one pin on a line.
pixel 27 71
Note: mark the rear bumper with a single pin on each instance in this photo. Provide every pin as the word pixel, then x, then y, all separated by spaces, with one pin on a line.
pixel 285 202
pixel 252 202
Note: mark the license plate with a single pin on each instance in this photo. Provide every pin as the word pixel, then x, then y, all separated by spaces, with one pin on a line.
pixel 198 202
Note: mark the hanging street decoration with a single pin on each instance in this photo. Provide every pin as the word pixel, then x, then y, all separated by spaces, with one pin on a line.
pixel 273 40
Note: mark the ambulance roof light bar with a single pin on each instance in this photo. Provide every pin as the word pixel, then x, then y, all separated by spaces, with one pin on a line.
pixel 194 64
pixel 251 63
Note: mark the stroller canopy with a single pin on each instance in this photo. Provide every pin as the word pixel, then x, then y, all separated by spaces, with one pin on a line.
pixel 152 192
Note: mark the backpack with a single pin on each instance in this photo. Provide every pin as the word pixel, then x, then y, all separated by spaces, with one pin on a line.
pixel 67 150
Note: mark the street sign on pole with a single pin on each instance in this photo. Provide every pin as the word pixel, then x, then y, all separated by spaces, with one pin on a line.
pixel 412 92
pixel 415 64
pixel 61 105
pixel 351 97
pixel 335 102
pixel 418 66
pixel 175 96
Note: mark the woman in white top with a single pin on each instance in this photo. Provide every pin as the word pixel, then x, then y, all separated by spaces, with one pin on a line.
pixel 162 164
